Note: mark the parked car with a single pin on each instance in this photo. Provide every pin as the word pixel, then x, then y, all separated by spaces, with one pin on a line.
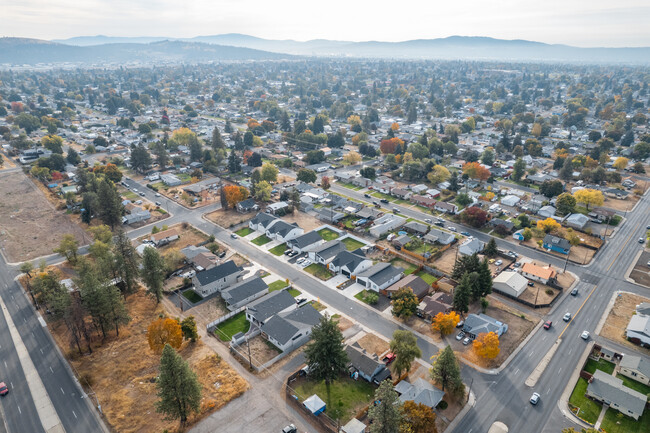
pixel 141 194
pixel 390 357
pixel 135 190
pixel 366 195
pixel 427 220
pixel 234 236
pixel 466 341
pixel 465 233
pixel 567 317
pixel 531 284
pixel 287 251
pixel 452 229
pixel 498 262
pixel 574 292
pixel 640 240
pixel 534 399
pixel 300 260
pixel 158 203
pixel 383 200
pixel 460 335
pixel 548 324
pixel 4 390
pixel 516 264
pixel 439 224
pixel 290 429
pixel 293 253
pixel 306 263
pixel 395 210
pixel 222 254
pixel 157 194
pixel 460 324
pixel 585 335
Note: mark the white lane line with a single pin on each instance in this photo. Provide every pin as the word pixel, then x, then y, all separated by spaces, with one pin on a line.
pixel 5 364
pixel 51 369
pixel 516 371
pixel 24 320
pixel 560 369
pixel 530 354
pixel 41 351
pixel 20 411
pixel 12 385
pixel 62 392
pixel 75 415
pixel 570 350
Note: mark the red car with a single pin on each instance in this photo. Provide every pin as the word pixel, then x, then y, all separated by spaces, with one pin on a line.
pixel 390 357
pixel 3 389
pixel 547 325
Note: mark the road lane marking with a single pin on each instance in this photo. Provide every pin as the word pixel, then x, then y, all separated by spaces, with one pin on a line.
pixel 41 351
pixel 20 411
pixel 5 364
pixel 559 370
pixel 51 369
pixel 75 415
pixel 516 372
pixel 62 392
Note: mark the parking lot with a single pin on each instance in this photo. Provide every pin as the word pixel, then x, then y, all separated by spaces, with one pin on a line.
pixel 641 272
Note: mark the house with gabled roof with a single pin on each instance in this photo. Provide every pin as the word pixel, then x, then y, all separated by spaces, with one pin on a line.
pixel 419 392
pixel 476 324
pixel 380 276
pixel 262 309
pixel 420 287
pixel 636 368
pixel 283 231
pixel 367 365
pixel 244 292
pixel 262 221
pixel 291 329
pixel 556 244
pixel 610 390
pixel 543 274
pixel 349 263
pixel 326 252
pixel 217 278
pixel 164 237
pixel 305 241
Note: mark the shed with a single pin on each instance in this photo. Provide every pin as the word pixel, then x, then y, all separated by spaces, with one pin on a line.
pixel 314 404
pixel 354 426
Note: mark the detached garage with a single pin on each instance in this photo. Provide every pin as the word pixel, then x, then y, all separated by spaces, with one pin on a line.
pixel 510 283
pixel 314 404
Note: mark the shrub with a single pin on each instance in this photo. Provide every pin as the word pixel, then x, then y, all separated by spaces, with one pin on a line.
pixel 443 405
pixel 371 298
pixel 549 292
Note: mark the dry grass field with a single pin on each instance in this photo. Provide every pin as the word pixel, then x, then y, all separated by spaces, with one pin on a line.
pixel 619 316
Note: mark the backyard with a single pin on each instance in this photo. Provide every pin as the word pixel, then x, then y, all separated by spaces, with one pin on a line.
pixel 347 396
pixel 352 244
pixel 427 277
pixel 328 234
pixel 192 296
pixel 230 327
pixel 261 240
pixel 319 271
pixel 602 364
pixel 409 268
pixel 585 408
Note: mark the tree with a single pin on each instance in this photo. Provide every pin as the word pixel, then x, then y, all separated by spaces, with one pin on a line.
pixel 620 163
pixel 418 418
pixel 518 169
pixel 127 262
pixel 352 158
pixel 551 188
pixel 179 390
pixel 217 142
pixel 476 171
pixel 527 234
pixel 445 322
pixel 140 158
pixel 72 157
pixel 153 272
pixel 368 173
pixel 474 216
pixel 234 165
pixel 269 173
pixel 253 160
pixel 248 139
pixel 234 194
pixel 589 197
pixel 404 346
pixel 446 371
pixel 164 331
pixel 404 303
pixel 306 175
pixel 188 327
pixel 438 174
pixel 483 280
pixel 638 168
pixel 111 208
pixel 325 183
pixel 486 345
pixel 314 157
pixel 453 182
pixel 385 415
pixel 566 172
pixel 548 225
pixel 488 157
pixel 463 199
pixel 27 268
pixel 325 354
pixel 263 191
pixel 491 249
pixel 68 247
pixel 565 203
pixel 162 156
pixel 462 294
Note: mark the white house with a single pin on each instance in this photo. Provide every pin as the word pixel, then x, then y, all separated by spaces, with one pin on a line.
pixel 291 329
pixel 305 241
pixel 217 278
pixel 380 276
pixel 386 223
pixel 283 231
pixel 349 263
pixel 636 368
pixel 262 221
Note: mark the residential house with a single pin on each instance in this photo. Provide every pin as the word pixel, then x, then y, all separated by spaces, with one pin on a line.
pixel 349 263
pixel 354 426
pixel 380 276
pixel 204 185
pixel 283 231
pixel 445 207
pixel 203 261
pixel 440 237
pixel 291 329
pixel 439 302
pixel 619 194
pixel 471 246
pixel 170 179
pixel 385 224
pixel 510 200
pixel 216 279
pixel 274 208
pixel 416 227
pixel 602 214
pixel 244 292
pixel 318 168
pixel 401 193
pixel 423 200
pixel 476 324
pixel 329 215
pixel 556 244
pixel 369 213
pixel 519 235
pixel 247 205
pixel 577 221
pixel 433 193
pixel 419 392
pixel 420 287
pixel 262 221
pixel 543 274
pixel 419 189
pixel 136 217
pixel 400 241
pixel 510 283
pixel 498 222
pixel 264 308
pixel 638 330
pixel 547 211
pixel 305 241
pixel 325 253
pixel 164 237
pixel 368 366
pixel 609 390
pixel 636 368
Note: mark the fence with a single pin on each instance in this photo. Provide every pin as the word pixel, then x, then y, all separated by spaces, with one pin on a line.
pixel 237 346
pixel 210 327
pixel 526 303
pixel 322 420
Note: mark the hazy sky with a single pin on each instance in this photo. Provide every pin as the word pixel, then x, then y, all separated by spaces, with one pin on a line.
pixel 573 22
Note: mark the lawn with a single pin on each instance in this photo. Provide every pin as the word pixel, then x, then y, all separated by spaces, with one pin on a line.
pixel 382 195
pixel 277 285
pixel 637 386
pixel 318 306
pixel 352 244
pixel 350 186
pixel 601 364
pixel 319 271
pixel 346 396
pixel 409 268
pixel 261 240
pixel 245 231
pixel 294 292
pixel 589 410
pixel 230 327
pixel 327 234
pixel 428 278
pixel 616 422
pixel 192 296
pixel 362 296
pixel 130 195
pixel 278 250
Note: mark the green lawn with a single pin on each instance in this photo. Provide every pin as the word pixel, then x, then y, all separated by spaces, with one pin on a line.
pixel 428 278
pixel 352 244
pixel 382 195
pixel 294 292
pixel 277 285
pixel 350 186
pixel 230 327
pixel 637 386
pixel 409 268
pixel 362 296
pixel 616 422
pixel 319 271
pixel 318 306
pixel 278 250
pixel 601 364
pixel 589 410
pixel 184 177
pixel 327 234
pixel 130 195
pixel 245 231
pixel 261 240
pixel 346 396
pixel 192 296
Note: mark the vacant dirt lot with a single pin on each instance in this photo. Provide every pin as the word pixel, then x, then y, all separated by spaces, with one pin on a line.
pixel 641 272
pixel 446 262
pixel 373 344
pixel 621 205
pixel 123 369
pixel 30 226
pixel 228 218
pixel 188 235
pixel 538 293
pixel 618 318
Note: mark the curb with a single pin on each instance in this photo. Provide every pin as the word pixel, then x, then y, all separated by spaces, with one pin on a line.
pixel 563 403
pixel 626 276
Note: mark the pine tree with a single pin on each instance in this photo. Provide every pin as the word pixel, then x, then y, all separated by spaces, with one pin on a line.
pixel 179 390
pixel 153 272
pixel 446 371
pixel 110 204
pixel 126 262
pixel 461 294
pixel 453 182
pixel 233 162
pixel 475 291
pixel 228 127
pixel 485 279
pixel 386 415
pixel 217 141
pixel 491 249
pixel 285 123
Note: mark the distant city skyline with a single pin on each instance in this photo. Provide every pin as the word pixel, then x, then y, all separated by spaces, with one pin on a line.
pixel 582 23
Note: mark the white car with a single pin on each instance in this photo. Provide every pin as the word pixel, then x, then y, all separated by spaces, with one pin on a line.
pixel 157 194
pixel 585 335
pixel 306 263
pixel 534 399
pixel 498 262
pixel 300 260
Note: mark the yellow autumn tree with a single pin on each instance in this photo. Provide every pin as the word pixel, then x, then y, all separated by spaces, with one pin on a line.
pixel 352 158
pixel 486 345
pixel 395 126
pixel 445 322
pixel 620 163
pixel 164 331
pixel 589 197
pixel 548 225
pixel 354 120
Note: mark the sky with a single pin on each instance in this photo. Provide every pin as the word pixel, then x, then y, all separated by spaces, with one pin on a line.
pixel 584 23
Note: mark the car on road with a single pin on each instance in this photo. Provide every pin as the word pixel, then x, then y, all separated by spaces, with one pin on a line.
pixel 452 229
pixel 460 335
pixel 395 210
pixel 290 429
pixel 427 220
pixel 548 324
pixel 234 236
pixel 465 233
pixel 383 200
pixel 531 284
pixel 366 195
pixel 439 223
pixel 135 190
pixel 498 262
pixel 567 317
pixel 4 390
pixel 158 203
pixel 534 399
pixel 585 335
pixel 157 194
pixel 640 240
pixel 574 292
pixel 141 194
pixel 466 341
pixel 647 227
pixel 648 263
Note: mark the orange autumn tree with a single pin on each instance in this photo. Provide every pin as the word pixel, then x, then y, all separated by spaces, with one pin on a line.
pixel 235 194
pixel 476 171
pixel 418 418
pixel 395 126
pixel 548 225
pixel 390 145
pixel 486 345
pixel 445 323
pixel 247 154
pixel 164 331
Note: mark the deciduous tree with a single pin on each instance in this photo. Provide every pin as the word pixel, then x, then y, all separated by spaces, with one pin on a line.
pixel 565 203
pixel 476 171
pixel 548 225
pixel 306 175
pixel 164 331
pixel 486 345
pixel 438 174
pixel 445 322
pixel 68 248
pixel 404 346
pixel 589 197
pixel 352 158
pixel 418 418
pixel 404 303
pixel 269 173
pixel 188 327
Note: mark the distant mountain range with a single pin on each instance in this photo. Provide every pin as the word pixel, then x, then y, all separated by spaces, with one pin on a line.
pixel 234 46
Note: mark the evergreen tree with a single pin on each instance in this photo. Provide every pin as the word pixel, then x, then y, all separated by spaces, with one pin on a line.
pixel 228 128
pixel 285 123
pixel 126 262
pixel 140 158
pixel 162 156
pixel 179 390
pixel 317 127
pixel 518 169
pixel 453 182
pixel 217 142
pixel 233 162
pixel 153 272
pixel 485 279
pixel 111 204
pixel 491 249
pixel 72 157
pixel 386 414
pixel 475 288
pixel 462 294
pixel 566 172
pixel 446 371
pixel 196 150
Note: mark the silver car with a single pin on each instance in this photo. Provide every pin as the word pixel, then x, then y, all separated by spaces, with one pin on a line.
pixel 534 399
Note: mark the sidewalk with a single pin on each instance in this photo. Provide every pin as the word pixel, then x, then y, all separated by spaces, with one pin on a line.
pixel 563 403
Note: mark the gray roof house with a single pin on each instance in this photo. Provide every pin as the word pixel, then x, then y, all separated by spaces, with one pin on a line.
pixel 439 236
pixel 305 241
pixel 217 278
pixel 476 324
pixel 136 217
pixel 577 221
pixel 326 252
pixel 244 292
pixel 329 215
pixel 369 366
pixel 283 231
pixel 636 368
pixel 471 246
pixel 420 287
pixel 638 329
pixel 192 251
pixel 262 221
pixel 547 211
pixel 247 205
pixel 416 227
pixel 261 310
pixel 380 276
pixel 291 329
pixel 349 263
pixel 419 392
pixel 610 390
